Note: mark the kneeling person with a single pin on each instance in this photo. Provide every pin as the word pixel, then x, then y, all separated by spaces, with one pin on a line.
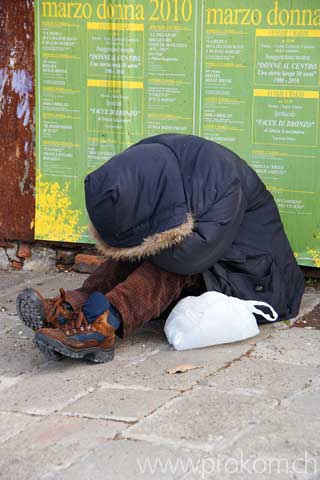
pixel 173 214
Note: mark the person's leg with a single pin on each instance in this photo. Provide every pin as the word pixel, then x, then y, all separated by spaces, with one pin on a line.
pixel 147 292
pixel 104 279
pixel 142 296
pixel 36 312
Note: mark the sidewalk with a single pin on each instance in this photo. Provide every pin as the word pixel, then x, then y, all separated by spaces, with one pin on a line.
pixel 250 411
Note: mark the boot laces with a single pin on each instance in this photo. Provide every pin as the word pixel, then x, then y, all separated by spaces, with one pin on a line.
pixel 56 308
pixel 79 324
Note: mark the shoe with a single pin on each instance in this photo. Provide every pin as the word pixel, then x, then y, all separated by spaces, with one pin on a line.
pixel 37 312
pixel 79 338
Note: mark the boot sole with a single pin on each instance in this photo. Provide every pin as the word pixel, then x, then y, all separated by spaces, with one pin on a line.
pixel 30 309
pixel 93 354
pixel 50 354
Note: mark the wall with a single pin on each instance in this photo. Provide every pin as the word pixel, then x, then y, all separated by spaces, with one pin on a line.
pixel 17 158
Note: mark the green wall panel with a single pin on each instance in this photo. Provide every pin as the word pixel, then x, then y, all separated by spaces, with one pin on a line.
pixel 242 73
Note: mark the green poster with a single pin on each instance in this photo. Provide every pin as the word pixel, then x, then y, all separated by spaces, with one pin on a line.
pixel 242 73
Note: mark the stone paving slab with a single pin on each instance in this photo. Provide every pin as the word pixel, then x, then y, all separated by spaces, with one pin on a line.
pixel 252 376
pixel 202 419
pixel 128 405
pixel 11 281
pixel 11 424
pixel 305 402
pixel 284 446
pixel 154 369
pixel 73 419
pixel 51 388
pixel 53 444
pixel 148 339
pixel 297 346
pixel 18 356
pixel 17 330
pixel 68 379
pixel 127 459
pixel 9 323
pixel 64 382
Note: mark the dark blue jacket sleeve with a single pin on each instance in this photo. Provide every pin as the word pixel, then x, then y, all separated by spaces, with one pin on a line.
pixel 213 234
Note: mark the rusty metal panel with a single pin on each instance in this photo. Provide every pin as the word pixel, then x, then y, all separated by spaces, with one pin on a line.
pixel 17 157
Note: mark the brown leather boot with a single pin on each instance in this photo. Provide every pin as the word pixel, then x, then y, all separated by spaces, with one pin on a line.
pixel 80 339
pixel 36 312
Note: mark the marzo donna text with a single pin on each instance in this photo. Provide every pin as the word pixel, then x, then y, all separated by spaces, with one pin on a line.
pixel 275 16
pixel 182 11
pixel 160 10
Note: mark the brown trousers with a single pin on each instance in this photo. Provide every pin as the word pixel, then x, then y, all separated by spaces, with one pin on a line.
pixel 139 291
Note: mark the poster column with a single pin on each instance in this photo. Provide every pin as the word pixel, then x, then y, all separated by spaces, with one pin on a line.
pixel 225 78
pixel 285 125
pixel 59 98
pixel 171 66
pixel 115 88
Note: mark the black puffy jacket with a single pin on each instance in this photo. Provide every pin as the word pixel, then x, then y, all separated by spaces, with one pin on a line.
pixel 191 206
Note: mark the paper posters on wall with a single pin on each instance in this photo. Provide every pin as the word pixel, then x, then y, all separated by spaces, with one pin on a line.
pixel 244 74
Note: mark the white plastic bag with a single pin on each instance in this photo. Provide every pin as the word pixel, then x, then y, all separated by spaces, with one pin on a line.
pixel 211 319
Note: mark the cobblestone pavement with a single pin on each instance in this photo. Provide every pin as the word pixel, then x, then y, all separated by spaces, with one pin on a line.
pixel 252 411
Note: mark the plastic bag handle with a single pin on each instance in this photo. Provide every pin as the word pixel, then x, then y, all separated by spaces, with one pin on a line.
pixel 268 317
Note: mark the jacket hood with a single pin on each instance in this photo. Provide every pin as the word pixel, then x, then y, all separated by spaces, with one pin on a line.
pixel 136 203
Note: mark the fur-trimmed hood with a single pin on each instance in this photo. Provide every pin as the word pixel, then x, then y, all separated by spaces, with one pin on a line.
pixel 137 205
pixel 150 246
